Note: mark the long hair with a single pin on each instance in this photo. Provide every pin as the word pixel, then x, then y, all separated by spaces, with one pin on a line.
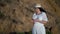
pixel 41 9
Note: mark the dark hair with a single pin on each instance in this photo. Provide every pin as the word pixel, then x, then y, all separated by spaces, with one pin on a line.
pixel 42 10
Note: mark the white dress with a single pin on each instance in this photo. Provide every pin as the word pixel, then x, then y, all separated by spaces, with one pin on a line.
pixel 38 27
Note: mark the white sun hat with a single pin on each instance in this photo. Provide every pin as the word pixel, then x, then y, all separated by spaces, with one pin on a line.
pixel 37 5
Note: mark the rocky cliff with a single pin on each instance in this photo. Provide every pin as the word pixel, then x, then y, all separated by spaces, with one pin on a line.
pixel 16 15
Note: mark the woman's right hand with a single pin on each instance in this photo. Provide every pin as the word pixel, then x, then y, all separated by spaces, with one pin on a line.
pixel 35 20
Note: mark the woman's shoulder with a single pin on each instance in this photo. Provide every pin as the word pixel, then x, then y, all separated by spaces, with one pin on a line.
pixel 43 13
pixel 34 14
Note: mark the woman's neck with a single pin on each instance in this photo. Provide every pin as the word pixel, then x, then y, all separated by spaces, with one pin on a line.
pixel 38 13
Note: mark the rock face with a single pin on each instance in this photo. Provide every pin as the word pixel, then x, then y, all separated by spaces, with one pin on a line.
pixel 16 15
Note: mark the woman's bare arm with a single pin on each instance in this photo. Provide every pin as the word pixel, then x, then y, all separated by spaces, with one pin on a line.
pixel 43 21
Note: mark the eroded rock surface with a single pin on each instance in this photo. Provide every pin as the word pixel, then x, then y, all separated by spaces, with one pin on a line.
pixel 16 15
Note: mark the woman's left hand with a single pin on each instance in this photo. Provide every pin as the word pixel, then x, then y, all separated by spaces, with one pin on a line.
pixel 37 20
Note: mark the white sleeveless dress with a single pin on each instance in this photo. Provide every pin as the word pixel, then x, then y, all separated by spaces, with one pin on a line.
pixel 38 27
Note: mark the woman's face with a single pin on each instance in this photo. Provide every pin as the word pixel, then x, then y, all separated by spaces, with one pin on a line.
pixel 37 11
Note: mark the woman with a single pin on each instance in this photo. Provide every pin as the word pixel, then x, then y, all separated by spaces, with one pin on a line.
pixel 39 19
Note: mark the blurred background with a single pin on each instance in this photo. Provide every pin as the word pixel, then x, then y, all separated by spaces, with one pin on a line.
pixel 16 16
